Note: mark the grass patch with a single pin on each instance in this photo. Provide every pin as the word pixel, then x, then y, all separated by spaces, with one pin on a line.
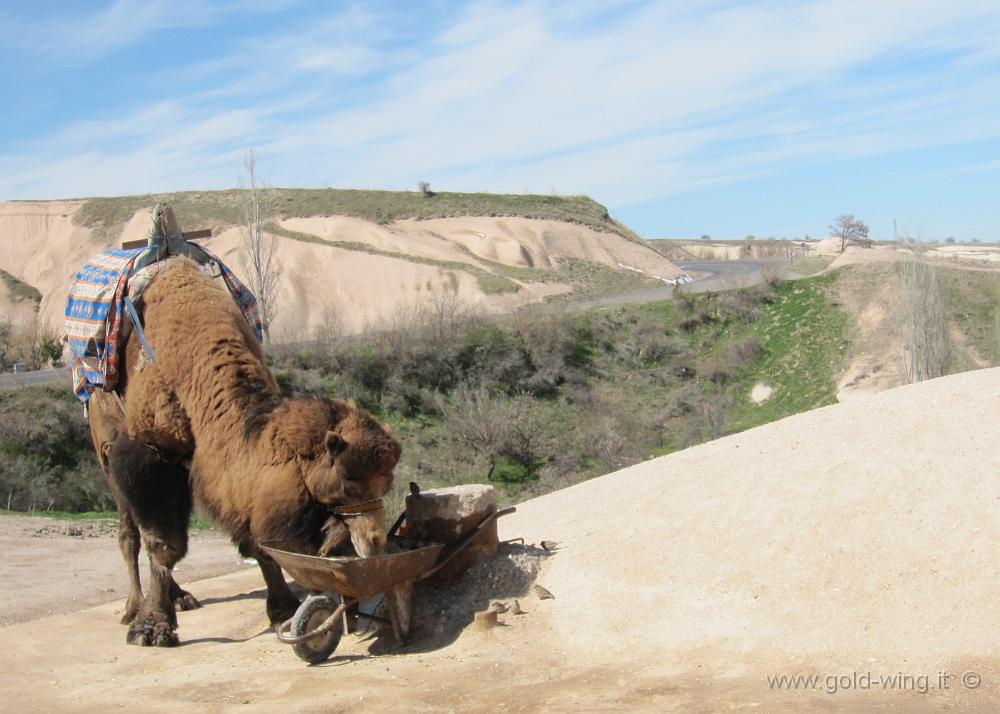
pixel 972 303
pixel 803 336
pixel 19 289
pixel 595 279
pixel 66 515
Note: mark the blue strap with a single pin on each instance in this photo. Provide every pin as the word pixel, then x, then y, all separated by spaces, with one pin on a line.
pixel 138 328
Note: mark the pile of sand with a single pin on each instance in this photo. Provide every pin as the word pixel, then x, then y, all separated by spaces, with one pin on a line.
pixel 860 533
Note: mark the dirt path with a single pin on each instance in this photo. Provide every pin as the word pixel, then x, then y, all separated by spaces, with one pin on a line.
pixel 229 661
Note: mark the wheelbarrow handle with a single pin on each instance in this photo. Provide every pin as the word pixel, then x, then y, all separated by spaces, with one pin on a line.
pixel 327 625
pixel 396 524
pixel 460 544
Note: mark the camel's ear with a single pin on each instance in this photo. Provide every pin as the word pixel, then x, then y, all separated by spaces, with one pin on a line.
pixel 334 443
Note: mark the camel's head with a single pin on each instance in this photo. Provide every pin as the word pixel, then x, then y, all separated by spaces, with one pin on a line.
pixel 349 471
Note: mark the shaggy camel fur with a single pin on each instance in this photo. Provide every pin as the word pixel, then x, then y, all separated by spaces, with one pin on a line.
pixel 206 420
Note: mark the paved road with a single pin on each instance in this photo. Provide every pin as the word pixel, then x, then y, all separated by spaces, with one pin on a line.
pixel 715 275
pixel 728 274
pixel 10 382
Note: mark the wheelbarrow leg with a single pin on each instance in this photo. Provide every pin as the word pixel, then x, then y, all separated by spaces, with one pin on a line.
pixel 400 601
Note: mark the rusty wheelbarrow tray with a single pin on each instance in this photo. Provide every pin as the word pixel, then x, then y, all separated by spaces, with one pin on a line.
pixel 315 629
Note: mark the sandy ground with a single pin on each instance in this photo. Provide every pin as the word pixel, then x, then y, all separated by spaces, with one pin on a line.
pixel 872 298
pixel 761 392
pixel 854 542
pixel 80 564
pixel 323 288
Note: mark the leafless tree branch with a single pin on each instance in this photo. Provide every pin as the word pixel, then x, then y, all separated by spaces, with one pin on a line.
pixel 259 247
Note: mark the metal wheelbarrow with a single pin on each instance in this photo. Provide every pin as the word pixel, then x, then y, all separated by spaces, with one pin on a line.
pixel 338 583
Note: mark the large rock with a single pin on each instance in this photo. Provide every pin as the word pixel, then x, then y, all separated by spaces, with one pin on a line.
pixel 444 515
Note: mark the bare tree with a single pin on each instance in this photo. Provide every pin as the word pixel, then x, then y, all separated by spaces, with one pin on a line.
pixel 258 246
pixel 927 345
pixel 851 231
pixel 329 333
pixel 492 425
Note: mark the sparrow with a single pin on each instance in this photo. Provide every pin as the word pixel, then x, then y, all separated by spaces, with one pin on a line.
pixel 542 593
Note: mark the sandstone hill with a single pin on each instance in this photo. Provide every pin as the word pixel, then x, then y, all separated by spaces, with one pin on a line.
pixel 351 260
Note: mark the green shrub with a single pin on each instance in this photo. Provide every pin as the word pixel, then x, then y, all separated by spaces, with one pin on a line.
pixel 48 461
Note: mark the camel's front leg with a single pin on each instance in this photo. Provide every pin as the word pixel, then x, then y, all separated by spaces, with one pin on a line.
pixel 281 601
pixel 156 622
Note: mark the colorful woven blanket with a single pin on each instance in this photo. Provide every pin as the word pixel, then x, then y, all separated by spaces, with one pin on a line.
pixel 95 310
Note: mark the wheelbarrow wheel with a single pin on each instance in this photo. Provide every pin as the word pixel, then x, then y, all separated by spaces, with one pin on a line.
pixel 310 615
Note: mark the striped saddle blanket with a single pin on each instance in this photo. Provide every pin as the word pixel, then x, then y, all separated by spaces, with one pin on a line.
pixel 95 312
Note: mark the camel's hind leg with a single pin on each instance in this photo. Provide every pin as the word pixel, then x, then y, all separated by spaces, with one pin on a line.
pixel 128 543
pixel 158 496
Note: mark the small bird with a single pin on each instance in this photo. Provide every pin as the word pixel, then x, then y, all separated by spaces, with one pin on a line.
pixel 550 545
pixel 542 593
pixel 500 606
pixel 515 609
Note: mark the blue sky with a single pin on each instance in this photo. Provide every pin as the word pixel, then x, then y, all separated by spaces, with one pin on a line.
pixel 703 116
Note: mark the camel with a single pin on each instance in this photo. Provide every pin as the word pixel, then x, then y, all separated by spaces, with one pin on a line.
pixel 205 422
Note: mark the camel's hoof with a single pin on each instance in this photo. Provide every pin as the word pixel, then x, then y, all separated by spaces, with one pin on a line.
pixel 150 633
pixel 186 601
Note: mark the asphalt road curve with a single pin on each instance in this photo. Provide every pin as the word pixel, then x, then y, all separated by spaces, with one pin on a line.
pixel 31 379
pixel 707 274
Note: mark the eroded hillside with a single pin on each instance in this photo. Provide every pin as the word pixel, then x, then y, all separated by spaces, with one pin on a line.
pixel 355 259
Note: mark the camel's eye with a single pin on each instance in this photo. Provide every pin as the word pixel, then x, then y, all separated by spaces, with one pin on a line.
pixel 334 443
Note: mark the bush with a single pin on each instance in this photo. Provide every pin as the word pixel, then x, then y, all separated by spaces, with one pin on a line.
pixel 741 353
pixel 48 461
pixel 502 430
pixel 496 358
pixel 742 305
pixel 365 372
pixel 699 318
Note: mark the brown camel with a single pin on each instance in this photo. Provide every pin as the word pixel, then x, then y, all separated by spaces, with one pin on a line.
pixel 205 421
